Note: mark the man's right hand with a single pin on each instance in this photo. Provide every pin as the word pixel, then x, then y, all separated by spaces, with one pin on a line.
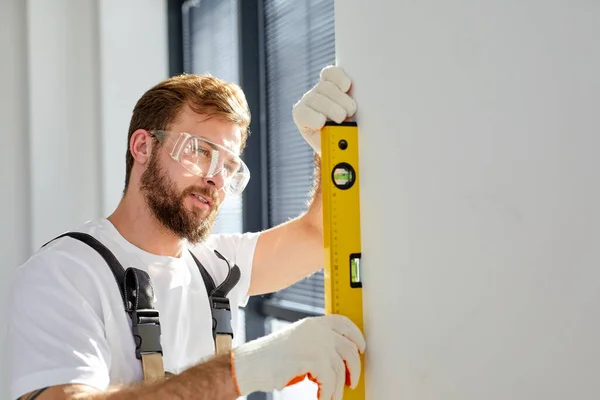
pixel 326 349
pixel 322 348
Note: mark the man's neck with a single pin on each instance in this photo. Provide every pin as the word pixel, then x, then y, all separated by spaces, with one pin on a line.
pixel 139 227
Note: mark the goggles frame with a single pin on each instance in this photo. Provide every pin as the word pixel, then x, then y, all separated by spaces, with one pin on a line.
pixel 234 184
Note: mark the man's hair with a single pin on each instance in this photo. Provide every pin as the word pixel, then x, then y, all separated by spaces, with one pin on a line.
pixel 160 106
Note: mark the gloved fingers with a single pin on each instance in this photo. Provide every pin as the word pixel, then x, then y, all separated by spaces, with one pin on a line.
pixel 307 118
pixel 349 353
pixel 345 327
pixel 324 105
pixel 327 382
pixel 332 91
pixel 338 76
pixel 340 373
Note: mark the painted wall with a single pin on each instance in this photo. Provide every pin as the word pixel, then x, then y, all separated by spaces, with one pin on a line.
pixel 480 224
pixel 15 192
pixel 70 77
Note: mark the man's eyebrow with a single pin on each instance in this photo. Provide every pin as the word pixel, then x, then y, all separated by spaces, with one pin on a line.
pixel 216 145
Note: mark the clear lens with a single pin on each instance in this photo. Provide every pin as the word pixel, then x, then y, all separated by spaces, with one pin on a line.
pixel 206 159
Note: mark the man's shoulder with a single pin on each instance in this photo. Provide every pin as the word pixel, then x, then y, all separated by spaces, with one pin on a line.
pixel 227 244
pixel 62 253
pixel 62 270
pixel 235 238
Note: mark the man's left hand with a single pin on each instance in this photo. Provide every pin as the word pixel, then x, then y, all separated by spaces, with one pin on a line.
pixel 328 99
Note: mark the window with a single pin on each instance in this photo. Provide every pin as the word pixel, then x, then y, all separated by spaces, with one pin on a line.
pixel 210 44
pixel 299 42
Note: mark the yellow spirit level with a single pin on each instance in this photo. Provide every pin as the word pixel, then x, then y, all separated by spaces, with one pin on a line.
pixel 341 228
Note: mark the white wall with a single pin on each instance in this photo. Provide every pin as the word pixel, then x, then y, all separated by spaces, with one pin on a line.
pixel 70 72
pixel 63 114
pixel 133 45
pixel 14 167
pixel 480 198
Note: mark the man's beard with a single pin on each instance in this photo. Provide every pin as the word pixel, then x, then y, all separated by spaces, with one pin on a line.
pixel 168 207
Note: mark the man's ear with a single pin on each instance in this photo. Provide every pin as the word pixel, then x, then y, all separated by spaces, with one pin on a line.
pixel 140 146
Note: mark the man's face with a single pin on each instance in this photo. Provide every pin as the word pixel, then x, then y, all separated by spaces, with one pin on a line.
pixel 172 192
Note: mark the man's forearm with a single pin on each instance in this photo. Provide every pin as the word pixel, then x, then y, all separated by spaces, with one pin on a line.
pixel 208 381
pixel 292 250
pixel 212 380
pixel 315 205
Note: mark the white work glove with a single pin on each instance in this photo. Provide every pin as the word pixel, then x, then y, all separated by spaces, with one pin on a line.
pixel 328 99
pixel 325 349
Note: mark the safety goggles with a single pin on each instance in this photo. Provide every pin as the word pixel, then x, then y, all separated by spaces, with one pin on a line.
pixel 206 159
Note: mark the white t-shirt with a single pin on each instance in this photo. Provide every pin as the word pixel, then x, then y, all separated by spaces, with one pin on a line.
pixel 67 322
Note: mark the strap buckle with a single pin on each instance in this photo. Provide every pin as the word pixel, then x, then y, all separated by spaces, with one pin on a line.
pixel 221 316
pixel 145 326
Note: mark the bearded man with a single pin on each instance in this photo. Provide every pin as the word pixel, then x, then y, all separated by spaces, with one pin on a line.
pixel 119 308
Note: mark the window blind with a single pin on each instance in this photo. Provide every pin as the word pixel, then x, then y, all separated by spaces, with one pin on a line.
pixel 299 42
pixel 211 45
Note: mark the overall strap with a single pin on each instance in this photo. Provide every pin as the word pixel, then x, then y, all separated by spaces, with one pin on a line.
pixel 219 303
pixel 137 295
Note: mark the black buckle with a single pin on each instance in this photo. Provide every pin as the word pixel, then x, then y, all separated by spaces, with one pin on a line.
pixel 221 315
pixel 146 332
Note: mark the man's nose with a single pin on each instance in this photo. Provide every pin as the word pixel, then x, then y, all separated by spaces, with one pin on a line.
pixel 217 180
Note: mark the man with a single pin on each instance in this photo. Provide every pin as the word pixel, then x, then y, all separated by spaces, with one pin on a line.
pixel 69 334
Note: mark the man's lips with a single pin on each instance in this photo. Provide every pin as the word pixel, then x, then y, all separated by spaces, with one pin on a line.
pixel 203 199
